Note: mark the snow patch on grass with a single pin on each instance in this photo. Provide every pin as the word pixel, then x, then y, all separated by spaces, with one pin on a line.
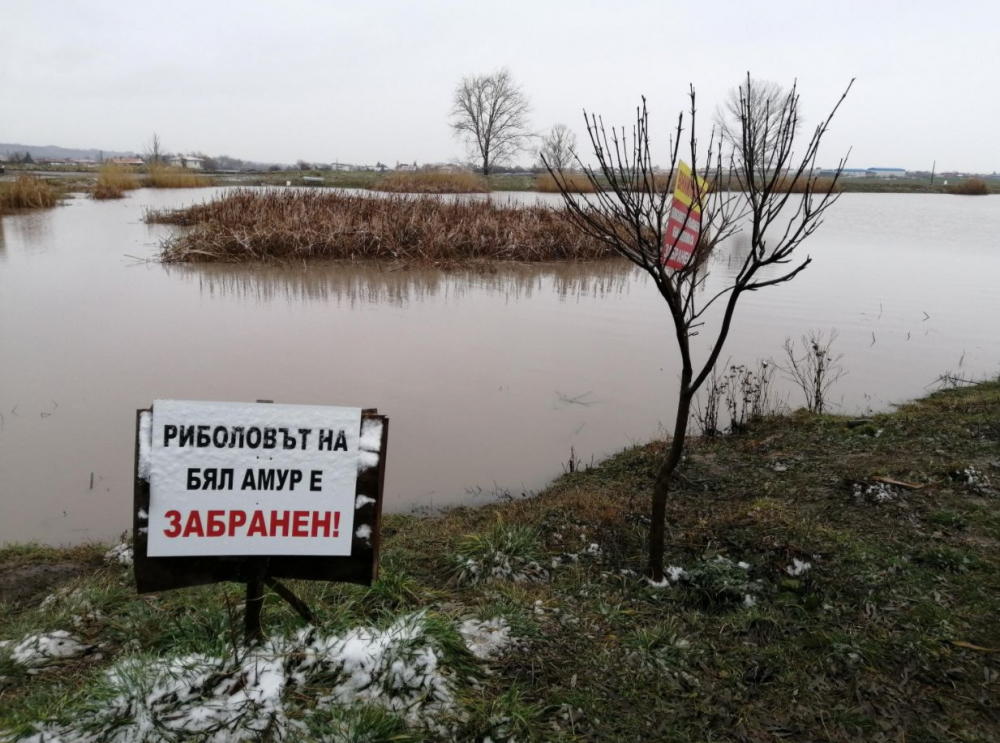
pixel 37 651
pixel 120 554
pixel 400 669
pixel 486 638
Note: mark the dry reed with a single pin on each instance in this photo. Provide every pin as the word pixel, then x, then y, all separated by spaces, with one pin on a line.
pixel 290 225
pixel 164 176
pixel 27 192
pixel 970 187
pixel 113 181
pixel 432 182
pixel 573 182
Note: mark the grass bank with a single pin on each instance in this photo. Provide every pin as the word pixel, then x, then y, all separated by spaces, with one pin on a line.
pixel 831 579
pixel 295 225
pixel 164 176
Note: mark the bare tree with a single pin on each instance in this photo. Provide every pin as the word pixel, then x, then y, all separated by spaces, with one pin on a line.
pixel 631 209
pixel 558 147
pixel 154 150
pixel 765 102
pixel 816 370
pixel 490 114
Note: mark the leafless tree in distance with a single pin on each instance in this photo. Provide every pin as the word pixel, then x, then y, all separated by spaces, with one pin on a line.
pixel 558 147
pixel 490 114
pixel 630 209
pixel 765 102
pixel 154 150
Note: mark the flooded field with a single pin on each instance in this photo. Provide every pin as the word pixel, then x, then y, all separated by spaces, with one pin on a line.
pixel 489 379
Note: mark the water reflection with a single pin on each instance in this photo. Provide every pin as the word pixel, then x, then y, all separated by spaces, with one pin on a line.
pixel 352 285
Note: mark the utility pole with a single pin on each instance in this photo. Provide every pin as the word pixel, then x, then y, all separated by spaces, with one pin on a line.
pixel 933 171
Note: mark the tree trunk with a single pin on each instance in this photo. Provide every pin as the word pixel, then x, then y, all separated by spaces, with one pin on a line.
pixel 661 488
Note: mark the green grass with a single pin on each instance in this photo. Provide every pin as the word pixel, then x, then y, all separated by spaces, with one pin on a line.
pixel 892 631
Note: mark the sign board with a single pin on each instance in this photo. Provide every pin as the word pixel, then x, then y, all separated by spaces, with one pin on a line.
pixel 684 220
pixel 229 490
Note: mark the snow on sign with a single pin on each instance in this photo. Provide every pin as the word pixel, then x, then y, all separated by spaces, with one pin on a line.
pixel 240 479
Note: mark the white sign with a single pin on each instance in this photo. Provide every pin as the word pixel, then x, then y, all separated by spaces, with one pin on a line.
pixel 252 479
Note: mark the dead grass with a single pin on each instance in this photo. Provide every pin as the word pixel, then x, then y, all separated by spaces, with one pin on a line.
pixel 432 183
pixel 164 176
pixel 290 225
pixel 970 187
pixel 113 181
pixel 27 192
pixel 573 182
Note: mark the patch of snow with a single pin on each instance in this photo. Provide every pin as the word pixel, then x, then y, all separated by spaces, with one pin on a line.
pixel 486 638
pixel 143 516
pixel 367 460
pixel 145 444
pixel 120 554
pixel 877 492
pixel 664 582
pixel 364 532
pixel 217 699
pixel 675 573
pixel 743 565
pixel 371 435
pixel 361 501
pixel 749 600
pixel 594 549
pixel 798 567
pixel 36 651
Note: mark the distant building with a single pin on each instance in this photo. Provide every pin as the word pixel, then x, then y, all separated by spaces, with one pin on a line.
pixel 124 160
pixel 886 172
pixel 187 161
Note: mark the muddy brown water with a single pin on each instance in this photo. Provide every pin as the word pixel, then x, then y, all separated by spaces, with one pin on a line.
pixel 490 380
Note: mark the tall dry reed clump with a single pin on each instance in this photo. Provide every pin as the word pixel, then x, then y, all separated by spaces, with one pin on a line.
pixel 27 192
pixel 574 182
pixel 432 183
pixel 284 225
pixel 164 176
pixel 113 181
pixel 970 187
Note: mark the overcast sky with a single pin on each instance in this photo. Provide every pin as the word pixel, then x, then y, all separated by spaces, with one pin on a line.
pixel 358 82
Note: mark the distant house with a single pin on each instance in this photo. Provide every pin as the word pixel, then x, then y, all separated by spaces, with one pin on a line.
pixel 886 172
pixel 187 161
pixel 124 160
pixel 406 167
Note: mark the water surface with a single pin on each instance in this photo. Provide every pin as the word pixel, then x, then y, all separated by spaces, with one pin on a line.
pixel 489 379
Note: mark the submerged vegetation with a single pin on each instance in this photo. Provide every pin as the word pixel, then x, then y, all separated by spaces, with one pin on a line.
pixel 292 225
pixel 432 183
pixel 113 181
pixel 844 579
pixel 27 192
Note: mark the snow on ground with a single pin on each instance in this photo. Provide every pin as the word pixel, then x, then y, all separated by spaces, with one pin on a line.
pixel 120 554
pixel 37 651
pixel 486 638
pixel 401 669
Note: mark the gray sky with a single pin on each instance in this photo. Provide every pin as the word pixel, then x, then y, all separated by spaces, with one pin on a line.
pixel 365 81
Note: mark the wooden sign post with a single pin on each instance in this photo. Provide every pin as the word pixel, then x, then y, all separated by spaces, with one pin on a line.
pixel 257 492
